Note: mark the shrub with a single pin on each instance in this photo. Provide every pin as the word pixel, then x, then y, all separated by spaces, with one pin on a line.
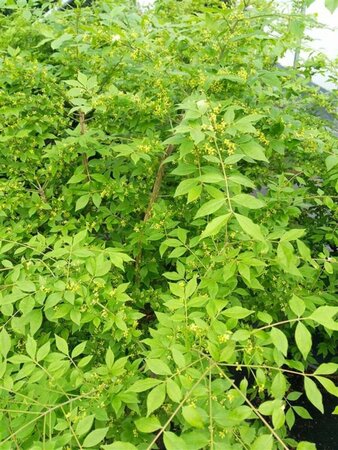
pixel 168 228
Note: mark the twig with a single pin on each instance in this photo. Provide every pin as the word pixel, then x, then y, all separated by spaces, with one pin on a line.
pixel 84 156
pixel 157 184
pixel 153 197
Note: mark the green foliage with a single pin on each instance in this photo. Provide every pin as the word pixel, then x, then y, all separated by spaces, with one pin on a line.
pixel 168 228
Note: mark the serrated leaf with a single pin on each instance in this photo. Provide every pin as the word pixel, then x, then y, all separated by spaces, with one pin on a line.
pixel 313 394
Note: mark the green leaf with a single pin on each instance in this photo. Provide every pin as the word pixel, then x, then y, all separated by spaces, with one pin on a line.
pixel 210 207
pixel 119 445
pixel 144 385
pixel 173 442
pixel 191 287
pixel 313 394
pixel 329 385
pixel 102 265
pixel 185 186
pixel 304 251
pixel 237 312
pixel 178 357
pixel 215 225
pixel 292 235
pixel 5 342
pixel 31 347
pixel 290 418
pixel 79 349
pixel 77 178
pixel 148 424
pixel 303 339
pixel 110 358
pixel 326 369
pixel 192 416
pixel 26 286
pixel 279 340
pixel 241 335
pixel 84 425
pixel 297 305
pixel 242 180
pixel 155 398
pixel 304 445
pixel 324 316
pixel 95 437
pixel 331 161
pixel 82 202
pixel 250 228
pixel 263 442
pixel 332 5
pixel 302 412
pixel 57 43
pixel 173 391
pixel 278 417
pixel 248 201
pixel 61 344
pixel 254 151
pixel 43 351
pixel 278 386
pixel 158 367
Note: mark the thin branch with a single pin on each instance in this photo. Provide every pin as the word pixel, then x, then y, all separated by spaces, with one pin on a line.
pixel 84 156
pixel 157 183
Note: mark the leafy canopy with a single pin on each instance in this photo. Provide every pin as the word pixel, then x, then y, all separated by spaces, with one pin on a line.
pixel 168 227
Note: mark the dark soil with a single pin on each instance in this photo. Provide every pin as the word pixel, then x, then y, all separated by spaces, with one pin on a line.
pixel 323 429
